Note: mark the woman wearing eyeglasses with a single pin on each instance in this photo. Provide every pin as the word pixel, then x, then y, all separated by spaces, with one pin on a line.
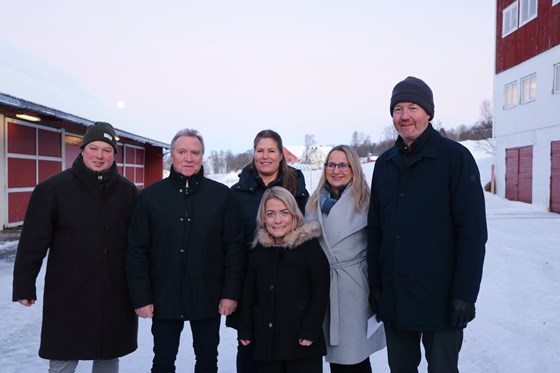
pixel 340 205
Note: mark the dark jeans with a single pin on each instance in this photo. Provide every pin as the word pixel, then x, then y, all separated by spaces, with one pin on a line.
pixel 246 358
pixel 167 334
pixel 363 367
pixel 314 365
pixel 442 350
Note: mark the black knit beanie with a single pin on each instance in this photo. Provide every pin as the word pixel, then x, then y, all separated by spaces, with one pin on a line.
pixel 100 131
pixel 414 90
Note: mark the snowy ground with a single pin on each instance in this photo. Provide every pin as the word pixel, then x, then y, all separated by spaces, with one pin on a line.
pixel 517 329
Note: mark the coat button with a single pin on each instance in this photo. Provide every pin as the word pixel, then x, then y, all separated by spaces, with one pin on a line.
pixel 271 287
pixel 270 325
pixel 106 252
pixel 403 195
pixel 180 219
pixel 182 250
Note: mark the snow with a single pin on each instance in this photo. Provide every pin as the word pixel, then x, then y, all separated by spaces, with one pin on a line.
pixel 517 328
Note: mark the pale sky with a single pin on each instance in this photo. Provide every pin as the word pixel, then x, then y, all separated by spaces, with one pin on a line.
pixel 232 68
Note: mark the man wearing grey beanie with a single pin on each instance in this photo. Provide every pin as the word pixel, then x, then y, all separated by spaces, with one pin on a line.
pixel 426 237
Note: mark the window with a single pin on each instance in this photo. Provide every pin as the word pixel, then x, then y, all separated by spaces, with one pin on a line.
pixel 556 81
pixel 528 88
pixel 509 19
pixel 527 11
pixel 510 95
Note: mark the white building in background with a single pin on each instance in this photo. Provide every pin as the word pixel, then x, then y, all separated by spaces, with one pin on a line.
pixel 527 102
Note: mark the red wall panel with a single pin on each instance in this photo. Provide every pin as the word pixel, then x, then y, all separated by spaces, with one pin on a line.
pixel 72 152
pixel 49 143
pixel 139 156
pixel 48 168
pixel 17 203
pixel 21 173
pixel 21 139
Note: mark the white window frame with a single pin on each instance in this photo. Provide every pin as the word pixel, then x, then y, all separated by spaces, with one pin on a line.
pixel 556 79
pixel 528 89
pixel 510 19
pixel 528 11
pixel 511 94
pixel 554 2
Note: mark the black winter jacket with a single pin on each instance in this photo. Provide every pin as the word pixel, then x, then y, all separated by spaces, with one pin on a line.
pixel 286 295
pixel 186 248
pixel 87 313
pixel 426 232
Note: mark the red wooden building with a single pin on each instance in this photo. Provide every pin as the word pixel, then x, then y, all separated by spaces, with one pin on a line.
pixel 37 141
pixel 527 101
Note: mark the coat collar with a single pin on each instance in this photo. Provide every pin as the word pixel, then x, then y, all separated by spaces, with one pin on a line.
pixel 295 238
pixel 343 219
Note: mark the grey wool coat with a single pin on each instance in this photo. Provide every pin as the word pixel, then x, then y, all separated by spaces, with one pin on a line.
pixel 344 242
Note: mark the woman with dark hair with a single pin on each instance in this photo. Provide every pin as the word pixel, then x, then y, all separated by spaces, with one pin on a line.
pixel 340 204
pixel 286 290
pixel 267 169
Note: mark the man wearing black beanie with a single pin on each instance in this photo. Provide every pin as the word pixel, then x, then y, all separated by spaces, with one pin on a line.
pixel 426 237
pixel 80 218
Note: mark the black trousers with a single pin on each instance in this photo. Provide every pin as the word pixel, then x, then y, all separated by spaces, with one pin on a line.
pixel 362 367
pixel 246 362
pixel 442 350
pixel 314 365
pixel 167 335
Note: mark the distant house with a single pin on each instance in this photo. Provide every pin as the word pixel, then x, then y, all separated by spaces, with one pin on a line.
pixel 293 154
pixel 527 102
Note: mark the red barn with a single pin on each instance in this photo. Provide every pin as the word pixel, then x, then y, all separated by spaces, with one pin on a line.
pixel 37 142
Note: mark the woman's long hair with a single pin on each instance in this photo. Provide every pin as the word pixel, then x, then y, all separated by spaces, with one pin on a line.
pixel 289 178
pixel 360 189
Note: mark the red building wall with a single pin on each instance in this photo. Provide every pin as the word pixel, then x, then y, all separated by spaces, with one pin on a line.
pixel 529 40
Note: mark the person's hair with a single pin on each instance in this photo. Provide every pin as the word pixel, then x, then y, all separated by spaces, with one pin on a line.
pixel 187 132
pixel 287 198
pixel 289 180
pixel 360 189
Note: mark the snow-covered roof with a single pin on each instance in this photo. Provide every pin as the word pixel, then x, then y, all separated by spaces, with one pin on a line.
pixel 29 83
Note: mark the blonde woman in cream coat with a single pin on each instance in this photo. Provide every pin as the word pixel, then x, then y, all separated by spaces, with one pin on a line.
pixel 340 205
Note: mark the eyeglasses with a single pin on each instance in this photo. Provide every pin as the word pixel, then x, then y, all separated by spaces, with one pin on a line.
pixel 341 166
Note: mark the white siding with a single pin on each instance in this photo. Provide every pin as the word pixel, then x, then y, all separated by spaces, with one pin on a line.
pixel 535 123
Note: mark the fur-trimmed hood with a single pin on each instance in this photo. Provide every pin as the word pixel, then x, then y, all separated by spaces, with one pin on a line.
pixel 306 232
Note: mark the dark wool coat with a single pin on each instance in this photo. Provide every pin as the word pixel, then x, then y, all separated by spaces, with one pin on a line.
pixel 87 313
pixel 248 192
pixel 426 233
pixel 286 295
pixel 186 248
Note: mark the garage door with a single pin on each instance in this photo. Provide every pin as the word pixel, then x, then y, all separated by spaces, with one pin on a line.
pixel 34 154
pixel 519 174
pixel 555 176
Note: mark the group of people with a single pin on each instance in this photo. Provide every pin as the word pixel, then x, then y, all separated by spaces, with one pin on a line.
pixel 301 278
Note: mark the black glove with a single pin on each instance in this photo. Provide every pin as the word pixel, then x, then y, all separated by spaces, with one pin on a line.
pixel 460 313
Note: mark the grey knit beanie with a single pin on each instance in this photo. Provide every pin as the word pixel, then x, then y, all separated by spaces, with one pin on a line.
pixel 413 90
